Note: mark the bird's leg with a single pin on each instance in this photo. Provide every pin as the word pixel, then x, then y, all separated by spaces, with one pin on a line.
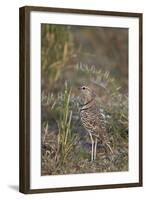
pixel 95 148
pixel 92 150
pixel 109 147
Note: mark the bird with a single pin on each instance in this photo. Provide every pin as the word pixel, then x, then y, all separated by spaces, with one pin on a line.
pixel 93 121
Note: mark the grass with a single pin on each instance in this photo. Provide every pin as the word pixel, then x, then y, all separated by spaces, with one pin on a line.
pixel 65 144
pixel 66 139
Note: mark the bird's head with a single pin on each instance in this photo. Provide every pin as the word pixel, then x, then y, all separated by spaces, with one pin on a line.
pixel 86 94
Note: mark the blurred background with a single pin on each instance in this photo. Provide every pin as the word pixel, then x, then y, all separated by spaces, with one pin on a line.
pixel 64 46
pixel 72 56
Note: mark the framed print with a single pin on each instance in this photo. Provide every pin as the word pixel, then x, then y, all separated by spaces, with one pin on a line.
pixel 80 99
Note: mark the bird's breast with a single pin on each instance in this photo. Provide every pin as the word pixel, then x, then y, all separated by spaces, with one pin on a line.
pixel 89 121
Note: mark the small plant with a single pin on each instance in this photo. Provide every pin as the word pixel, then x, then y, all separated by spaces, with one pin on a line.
pixel 66 139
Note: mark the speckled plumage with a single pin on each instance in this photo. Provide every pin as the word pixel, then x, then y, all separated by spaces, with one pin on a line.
pixel 93 121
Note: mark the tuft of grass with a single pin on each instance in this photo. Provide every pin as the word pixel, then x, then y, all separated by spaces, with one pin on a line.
pixel 66 138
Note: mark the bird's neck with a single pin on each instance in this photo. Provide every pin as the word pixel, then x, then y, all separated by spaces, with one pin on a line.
pixel 88 104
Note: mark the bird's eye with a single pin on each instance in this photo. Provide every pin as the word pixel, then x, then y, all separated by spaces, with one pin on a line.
pixel 83 88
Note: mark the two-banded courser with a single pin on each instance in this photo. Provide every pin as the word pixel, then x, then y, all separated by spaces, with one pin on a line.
pixel 93 121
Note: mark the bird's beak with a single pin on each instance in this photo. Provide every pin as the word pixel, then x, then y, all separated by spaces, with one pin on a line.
pixel 79 88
